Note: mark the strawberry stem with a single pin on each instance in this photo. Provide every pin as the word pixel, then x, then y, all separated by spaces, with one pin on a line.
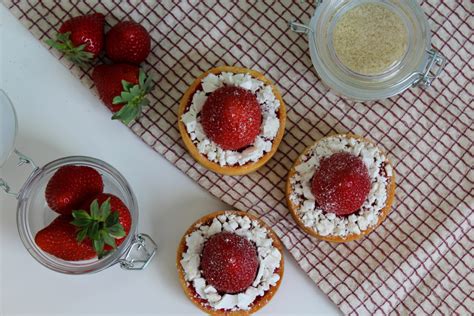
pixel 133 97
pixel 101 225
pixel 76 54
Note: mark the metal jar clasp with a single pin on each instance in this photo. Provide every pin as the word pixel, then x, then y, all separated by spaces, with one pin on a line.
pixel 434 67
pixel 298 27
pixel 141 252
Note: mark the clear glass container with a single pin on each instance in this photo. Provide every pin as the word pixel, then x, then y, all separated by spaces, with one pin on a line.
pixel 418 66
pixel 33 213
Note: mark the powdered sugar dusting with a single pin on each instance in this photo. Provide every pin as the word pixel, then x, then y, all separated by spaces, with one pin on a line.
pixel 269 258
pixel 269 128
pixel 329 224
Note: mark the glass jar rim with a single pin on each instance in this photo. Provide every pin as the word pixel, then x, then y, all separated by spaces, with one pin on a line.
pixel 59 265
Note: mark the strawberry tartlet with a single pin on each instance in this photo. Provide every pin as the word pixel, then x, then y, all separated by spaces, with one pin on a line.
pixel 340 188
pixel 232 120
pixel 230 263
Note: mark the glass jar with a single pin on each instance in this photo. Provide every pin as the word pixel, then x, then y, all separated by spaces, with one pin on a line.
pixel 418 66
pixel 33 213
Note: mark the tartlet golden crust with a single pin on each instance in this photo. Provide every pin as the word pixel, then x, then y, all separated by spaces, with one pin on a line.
pixel 191 147
pixel 260 301
pixel 383 212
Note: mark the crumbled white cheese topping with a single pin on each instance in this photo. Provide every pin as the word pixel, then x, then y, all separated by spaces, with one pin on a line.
pixel 270 122
pixel 328 224
pixel 269 258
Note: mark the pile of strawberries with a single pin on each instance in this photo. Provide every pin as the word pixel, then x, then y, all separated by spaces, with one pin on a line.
pixel 122 86
pixel 91 223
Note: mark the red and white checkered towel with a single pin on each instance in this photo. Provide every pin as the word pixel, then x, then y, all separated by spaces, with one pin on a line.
pixel 420 260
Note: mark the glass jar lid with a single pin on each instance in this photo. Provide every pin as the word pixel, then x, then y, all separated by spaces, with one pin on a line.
pixel 8 127
pixel 369 49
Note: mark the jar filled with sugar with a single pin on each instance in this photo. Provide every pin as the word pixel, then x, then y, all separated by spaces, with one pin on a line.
pixel 370 50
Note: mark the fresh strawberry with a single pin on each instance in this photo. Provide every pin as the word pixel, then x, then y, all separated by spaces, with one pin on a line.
pixel 341 184
pixel 231 117
pixel 59 240
pixel 127 42
pixel 81 38
pixel 70 186
pixel 87 234
pixel 117 209
pixel 229 262
pixel 123 89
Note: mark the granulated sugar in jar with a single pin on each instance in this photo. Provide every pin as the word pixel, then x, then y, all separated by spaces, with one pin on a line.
pixel 370 39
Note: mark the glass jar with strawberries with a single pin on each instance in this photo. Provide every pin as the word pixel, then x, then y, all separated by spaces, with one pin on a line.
pixel 75 215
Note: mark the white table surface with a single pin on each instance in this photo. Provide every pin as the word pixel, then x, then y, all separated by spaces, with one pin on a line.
pixel 60 117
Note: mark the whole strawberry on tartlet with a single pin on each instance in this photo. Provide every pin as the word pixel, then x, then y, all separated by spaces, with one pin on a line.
pixel 127 42
pixel 230 263
pixel 81 38
pixel 341 188
pixel 232 120
pixel 123 88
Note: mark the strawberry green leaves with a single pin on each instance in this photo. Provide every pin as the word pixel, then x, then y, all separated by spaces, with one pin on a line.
pixel 101 225
pixel 133 97
pixel 76 54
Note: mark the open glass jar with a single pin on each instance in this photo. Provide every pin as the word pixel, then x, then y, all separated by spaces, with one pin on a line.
pixel 417 65
pixel 33 213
